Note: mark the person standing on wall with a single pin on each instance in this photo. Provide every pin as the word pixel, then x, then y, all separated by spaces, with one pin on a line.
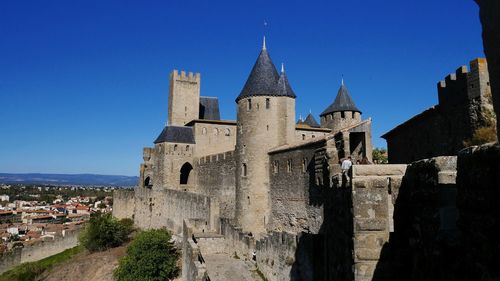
pixel 346 166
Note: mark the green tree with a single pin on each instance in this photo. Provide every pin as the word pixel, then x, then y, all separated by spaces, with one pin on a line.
pixel 103 232
pixel 380 156
pixel 150 256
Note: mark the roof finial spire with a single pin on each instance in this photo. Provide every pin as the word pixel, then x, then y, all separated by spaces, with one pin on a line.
pixel 342 80
pixel 300 117
pixel 282 68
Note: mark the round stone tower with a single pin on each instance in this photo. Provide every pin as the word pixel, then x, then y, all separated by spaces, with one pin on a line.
pixel 342 113
pixel 265 119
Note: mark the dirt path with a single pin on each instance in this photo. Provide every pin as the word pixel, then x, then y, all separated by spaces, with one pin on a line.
pixel 96 266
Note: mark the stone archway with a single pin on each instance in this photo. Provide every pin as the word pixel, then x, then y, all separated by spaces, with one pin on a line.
pixel 185 173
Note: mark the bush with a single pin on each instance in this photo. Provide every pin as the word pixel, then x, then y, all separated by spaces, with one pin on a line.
pixel 150 256
pixel 482 135
pixel 103 232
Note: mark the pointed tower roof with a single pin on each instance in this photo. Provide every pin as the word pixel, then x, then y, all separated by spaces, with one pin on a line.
pixel 263 79
pixel 284 88
pixel 343 102
pixel 311 121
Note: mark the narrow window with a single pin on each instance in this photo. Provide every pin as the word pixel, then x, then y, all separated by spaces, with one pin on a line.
pixel 275 167
pixel 313 136
pixel 249 104
pixel 244 168
pixel 303 136
pixel 289 166
pixel 342 114
pixel 175 147
pixel 216 132
pixel 204 131
pixel 187 147
pixel 267 127
pixel 227 132
pixel 268 103
pixel 304 165
pixel 353 114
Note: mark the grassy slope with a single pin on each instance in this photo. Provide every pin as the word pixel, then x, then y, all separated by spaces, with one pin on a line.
pixel 30 270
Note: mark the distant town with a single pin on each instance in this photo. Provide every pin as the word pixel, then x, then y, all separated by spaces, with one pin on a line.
pixel 30 214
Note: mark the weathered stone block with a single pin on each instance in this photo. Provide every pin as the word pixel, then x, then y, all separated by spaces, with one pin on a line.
pixel 370 240
pixel 370 224
pixel 366 254
pixel 378 170
pixel 447 177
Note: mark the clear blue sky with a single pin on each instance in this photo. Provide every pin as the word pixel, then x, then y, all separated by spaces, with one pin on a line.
pixel 84 84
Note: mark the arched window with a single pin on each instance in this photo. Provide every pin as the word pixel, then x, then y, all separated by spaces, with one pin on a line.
pixel 227 132
pixel 342 114
pixel 175 147
pixel 216 132
pixel 147 182
pixel 244 170
pixel 268 103
pixel 353 114
pixel 249 104
pixel 185 171
pixel 204 131
pixel 303 136
pixel 187 147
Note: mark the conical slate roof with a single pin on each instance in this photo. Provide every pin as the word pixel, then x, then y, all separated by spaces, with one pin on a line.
pixel 263 79
pixel 343 102
pixel 284 88
pixel 311 121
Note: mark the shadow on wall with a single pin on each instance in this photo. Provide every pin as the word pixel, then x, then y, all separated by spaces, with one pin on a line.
pixel 326 255
pixel 433 228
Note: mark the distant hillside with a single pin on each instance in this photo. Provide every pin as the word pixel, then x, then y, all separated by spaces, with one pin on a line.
pixel 67 179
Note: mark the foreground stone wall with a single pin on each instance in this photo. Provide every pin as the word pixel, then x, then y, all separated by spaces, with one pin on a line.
pixel 216 179
pixel 478 192
pixel 39 250
pixel 168 208
pixel 374 188
pixel 193 264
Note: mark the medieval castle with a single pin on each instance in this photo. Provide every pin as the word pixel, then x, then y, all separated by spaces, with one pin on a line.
pixel 268 188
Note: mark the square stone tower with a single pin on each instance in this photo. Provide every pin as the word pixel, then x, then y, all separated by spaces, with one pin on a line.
pixel 183 98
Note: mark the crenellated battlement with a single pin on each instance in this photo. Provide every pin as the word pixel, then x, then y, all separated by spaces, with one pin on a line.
pixel 215 158
pixel 462 85
pixel 182 76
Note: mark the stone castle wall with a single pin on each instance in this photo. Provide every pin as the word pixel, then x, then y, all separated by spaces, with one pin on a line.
pixel 39 250
pixel 168 208
pixel 295 198
pixel 464 105
pixel 123 203
pixel 193 264
pixel 216 179
pixel 213 138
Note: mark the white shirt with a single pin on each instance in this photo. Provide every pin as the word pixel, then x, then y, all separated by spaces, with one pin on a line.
pixel 346 164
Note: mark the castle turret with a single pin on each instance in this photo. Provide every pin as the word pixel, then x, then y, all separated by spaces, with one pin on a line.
pixel 183 98
pixel 265 119
pixel 342 112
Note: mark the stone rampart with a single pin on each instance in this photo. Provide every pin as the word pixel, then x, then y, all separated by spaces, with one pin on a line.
pixel 168 208
pixel 193 264
pixel 39 250
pixel 216 178
pixel 123 203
